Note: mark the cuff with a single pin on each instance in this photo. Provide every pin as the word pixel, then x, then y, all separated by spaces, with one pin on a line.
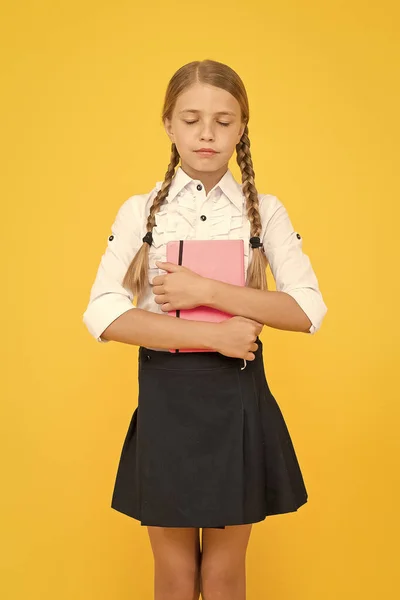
pixel 311 302
pixel 103 311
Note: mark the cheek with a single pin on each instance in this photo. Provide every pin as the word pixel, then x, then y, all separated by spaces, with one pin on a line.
pixel 183 134
pixel 229 139
pixel 235 136
pixel 184 143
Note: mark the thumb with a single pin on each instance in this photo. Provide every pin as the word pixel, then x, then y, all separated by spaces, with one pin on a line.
pixel 168 266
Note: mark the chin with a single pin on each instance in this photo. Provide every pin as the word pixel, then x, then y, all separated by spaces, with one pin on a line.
pixel 207 165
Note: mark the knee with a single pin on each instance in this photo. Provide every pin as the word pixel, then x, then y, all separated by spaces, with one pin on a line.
pixel 218 581
pixel 177 582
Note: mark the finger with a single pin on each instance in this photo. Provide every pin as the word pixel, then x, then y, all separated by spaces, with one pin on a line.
pixel 255 323
pixel 258 328
pixel 250 356
pixel 158 280
pixel 254 347
pixel 167 307
pixel 160 299
pixel 158 289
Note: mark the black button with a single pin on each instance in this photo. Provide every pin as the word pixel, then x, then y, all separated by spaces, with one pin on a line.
pixel 111 238
pixel 203 217
pixel 199 187
pixel 298 236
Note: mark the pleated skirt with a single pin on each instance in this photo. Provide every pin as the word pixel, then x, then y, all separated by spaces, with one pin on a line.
pixel 207 445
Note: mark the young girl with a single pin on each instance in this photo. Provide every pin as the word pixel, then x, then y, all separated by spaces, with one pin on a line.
pixel 207 447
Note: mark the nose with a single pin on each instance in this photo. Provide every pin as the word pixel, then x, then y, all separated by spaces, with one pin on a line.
pixel 207 132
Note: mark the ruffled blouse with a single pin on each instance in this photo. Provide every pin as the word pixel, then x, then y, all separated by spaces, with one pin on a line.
pixel 189 213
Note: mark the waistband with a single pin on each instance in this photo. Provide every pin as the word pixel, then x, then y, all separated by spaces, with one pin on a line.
pixel 195 360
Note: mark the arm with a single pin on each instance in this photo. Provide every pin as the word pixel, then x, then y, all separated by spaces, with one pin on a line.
pixel 297 303
pixel 273 308
pixel 144 328
pixel 110 314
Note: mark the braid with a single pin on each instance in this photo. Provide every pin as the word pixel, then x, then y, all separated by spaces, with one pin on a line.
pixel 136 276
pixel 256 275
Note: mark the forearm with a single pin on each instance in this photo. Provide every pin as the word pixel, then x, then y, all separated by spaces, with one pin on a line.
pixel 144 328
pixel 272 308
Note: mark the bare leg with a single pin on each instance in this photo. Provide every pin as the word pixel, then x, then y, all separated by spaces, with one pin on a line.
pixel 223 563
pixel 177 557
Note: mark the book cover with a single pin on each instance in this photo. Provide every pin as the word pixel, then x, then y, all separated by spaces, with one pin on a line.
pixel 222 260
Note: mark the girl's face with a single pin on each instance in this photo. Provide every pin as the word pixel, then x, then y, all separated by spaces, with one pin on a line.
pixel 205 117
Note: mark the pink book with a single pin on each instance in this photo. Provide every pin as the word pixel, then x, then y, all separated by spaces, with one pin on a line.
pixel 222 260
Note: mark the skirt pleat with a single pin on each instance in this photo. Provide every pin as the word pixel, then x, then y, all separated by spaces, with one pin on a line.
pixel 207 445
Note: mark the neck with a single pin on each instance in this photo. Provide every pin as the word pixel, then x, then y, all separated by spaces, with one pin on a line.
pixel 208 178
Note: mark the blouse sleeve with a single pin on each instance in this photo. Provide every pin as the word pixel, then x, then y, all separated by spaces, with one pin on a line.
pixel 108 297
pixel 290 266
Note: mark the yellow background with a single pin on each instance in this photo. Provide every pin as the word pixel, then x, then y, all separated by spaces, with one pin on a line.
pixel 83 85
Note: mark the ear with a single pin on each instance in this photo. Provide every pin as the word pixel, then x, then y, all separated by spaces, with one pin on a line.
pixel 168 129
pixel 242 128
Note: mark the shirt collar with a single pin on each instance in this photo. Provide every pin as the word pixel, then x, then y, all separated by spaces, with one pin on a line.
pixel 227 184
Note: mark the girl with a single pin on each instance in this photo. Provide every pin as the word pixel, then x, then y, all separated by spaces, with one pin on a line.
pixel 207 447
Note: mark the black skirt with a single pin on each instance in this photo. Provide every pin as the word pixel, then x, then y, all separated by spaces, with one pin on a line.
pixel 207 445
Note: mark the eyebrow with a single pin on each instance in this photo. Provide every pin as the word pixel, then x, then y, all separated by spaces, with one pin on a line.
pixel 221 112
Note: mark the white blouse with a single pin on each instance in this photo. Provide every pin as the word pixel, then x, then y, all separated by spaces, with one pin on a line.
pixel 188 213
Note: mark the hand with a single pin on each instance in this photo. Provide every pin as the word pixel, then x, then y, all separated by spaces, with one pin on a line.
pixel 180 288
pixel 236 337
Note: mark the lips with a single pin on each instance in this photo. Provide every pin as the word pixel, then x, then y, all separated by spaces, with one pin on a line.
pixel 206 151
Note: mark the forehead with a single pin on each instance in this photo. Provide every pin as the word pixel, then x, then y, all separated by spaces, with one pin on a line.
pixel 207 99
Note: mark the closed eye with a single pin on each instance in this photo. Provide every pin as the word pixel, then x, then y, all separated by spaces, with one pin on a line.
pixel 220 122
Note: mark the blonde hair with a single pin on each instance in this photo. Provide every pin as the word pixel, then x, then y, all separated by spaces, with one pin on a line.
pixel 219 75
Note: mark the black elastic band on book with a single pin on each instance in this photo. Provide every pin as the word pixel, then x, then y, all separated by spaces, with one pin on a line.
pixel 178 312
